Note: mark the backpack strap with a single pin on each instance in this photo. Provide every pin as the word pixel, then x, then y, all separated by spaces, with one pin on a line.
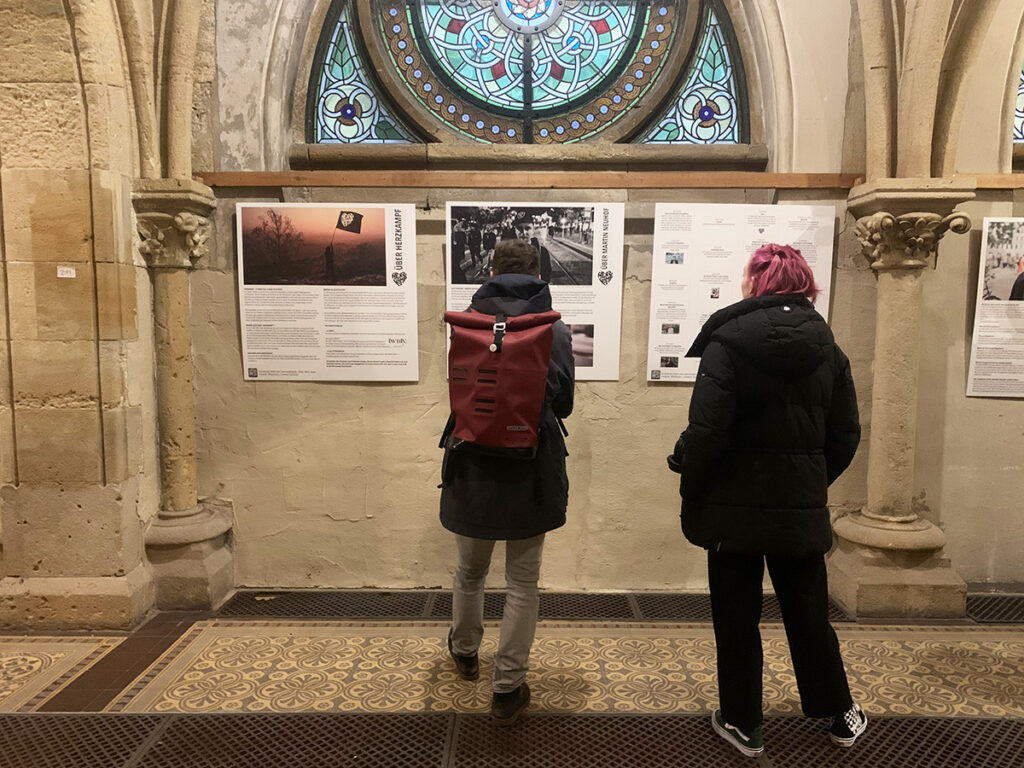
pixel 499 331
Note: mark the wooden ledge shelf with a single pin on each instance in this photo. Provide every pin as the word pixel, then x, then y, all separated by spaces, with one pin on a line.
pixel 445 179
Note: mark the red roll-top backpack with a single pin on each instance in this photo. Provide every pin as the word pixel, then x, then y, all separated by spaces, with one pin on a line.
pixel 497 379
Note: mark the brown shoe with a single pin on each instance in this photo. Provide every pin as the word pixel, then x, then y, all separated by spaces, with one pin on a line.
pixel 467 666
pixel 507 707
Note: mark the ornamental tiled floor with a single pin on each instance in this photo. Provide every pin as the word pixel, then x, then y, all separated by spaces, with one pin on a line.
pixel 287 666
pixel 33 668
pixel 605 692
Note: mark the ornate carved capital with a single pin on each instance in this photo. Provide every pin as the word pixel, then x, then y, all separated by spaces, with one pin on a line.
pixel 906 241
pixel 172 221
pixel 901 221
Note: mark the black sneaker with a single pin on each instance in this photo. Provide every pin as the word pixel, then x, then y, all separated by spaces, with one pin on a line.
pixel 468 666
pixel 750 744
pixel 848 726
pixel 507 707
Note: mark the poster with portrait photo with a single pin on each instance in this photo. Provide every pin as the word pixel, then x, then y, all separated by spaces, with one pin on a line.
pixel 580 248
pixel 697 268
pixel 327 292
pixel 997 346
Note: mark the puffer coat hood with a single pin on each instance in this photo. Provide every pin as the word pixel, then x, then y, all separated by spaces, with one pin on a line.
pixel 782 335
pixel 773 422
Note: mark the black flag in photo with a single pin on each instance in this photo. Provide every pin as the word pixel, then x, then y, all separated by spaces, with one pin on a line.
pixel 350 221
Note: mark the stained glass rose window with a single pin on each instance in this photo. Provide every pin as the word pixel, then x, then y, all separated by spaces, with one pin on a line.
pixel 533 71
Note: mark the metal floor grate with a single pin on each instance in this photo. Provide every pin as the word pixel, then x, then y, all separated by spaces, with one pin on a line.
pixel 907 742
pixel 697 607
pixel 440 740
pixel 996 609
pixel 553 605
pixel 307 740
pixel 437 604
pixel 63 741
pixel 593 741
pixel 332 604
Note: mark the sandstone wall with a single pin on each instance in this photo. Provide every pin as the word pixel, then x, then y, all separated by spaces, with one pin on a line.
pixel 77 435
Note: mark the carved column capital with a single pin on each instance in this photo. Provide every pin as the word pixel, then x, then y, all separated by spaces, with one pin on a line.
pixel 901 221
pixel 906 241
pixel 173 221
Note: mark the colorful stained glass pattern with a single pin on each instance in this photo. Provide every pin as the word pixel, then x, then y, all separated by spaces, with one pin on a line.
pixel 574 46
pixel 465 62
pixel 470 44
pixel 1018 115
pixel 708 109
pixel 347 108
pixel 587 42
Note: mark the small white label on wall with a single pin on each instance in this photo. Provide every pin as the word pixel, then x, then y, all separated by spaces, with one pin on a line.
pixel 66 272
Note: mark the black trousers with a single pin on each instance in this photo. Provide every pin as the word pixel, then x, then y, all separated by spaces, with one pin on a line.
pixel 802 589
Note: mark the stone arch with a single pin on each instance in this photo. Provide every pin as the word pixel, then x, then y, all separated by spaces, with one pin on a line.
pixel 283 83
pixel 762 42
pixel 986 96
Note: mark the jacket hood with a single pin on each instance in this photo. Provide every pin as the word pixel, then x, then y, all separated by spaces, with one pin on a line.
pixel 513 294
pixel 782 335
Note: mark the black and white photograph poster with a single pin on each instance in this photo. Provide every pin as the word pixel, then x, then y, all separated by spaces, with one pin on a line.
pixel 699 254
pixel 580 248
pixel 327 292
pixel 997 347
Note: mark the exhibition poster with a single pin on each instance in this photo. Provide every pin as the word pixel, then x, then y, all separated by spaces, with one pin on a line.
pixel 327 292
pixel 580 246
pixel 997 349
pixel 699 254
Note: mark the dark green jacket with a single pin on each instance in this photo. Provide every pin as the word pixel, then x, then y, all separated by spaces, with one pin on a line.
pixel 773 422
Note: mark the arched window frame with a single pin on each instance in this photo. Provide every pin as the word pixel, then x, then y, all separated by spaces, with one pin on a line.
pixel 445 147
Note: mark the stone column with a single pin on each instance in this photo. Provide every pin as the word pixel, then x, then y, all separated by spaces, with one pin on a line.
pixel 889 559
pixel 188 543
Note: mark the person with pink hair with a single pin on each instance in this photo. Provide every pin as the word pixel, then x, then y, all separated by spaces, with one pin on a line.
pixel 773 422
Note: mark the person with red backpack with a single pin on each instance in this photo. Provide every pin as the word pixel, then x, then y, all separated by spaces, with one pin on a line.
pixel 503 477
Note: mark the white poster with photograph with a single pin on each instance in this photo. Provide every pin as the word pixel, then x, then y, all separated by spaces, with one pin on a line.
pixel 699 254
pixel 580 247
pixel 327 292
pixel 997 349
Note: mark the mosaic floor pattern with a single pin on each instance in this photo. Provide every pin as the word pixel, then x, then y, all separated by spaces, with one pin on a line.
pixel 33 668
pixel 388 667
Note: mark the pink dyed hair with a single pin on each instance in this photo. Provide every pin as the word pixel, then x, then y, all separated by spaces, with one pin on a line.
pixel 780 269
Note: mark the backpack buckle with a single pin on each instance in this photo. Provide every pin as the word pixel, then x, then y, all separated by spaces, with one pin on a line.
pixel 499 332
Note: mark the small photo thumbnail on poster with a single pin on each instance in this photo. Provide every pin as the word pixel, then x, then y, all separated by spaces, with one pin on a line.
pixel 582 345
pixel 670 328
pixel 674 257
pixel 670 362
pixel 1004 262
pixel 716 292
pixel 313 245
pixel 563 236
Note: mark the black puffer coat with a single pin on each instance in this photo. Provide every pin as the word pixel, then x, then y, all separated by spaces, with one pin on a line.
pixel 773 421
pixel 487 497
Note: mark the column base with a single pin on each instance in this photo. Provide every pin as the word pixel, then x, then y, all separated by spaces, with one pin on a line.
pixel 193 566
pixel 890 583
pixel 72 602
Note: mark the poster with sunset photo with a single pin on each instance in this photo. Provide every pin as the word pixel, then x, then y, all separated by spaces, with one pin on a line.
pixel 313 245
pixel 327 291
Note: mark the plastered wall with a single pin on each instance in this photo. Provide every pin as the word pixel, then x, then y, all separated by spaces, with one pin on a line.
pixel 335 484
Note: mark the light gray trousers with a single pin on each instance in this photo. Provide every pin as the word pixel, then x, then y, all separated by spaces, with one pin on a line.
pixel 519 621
